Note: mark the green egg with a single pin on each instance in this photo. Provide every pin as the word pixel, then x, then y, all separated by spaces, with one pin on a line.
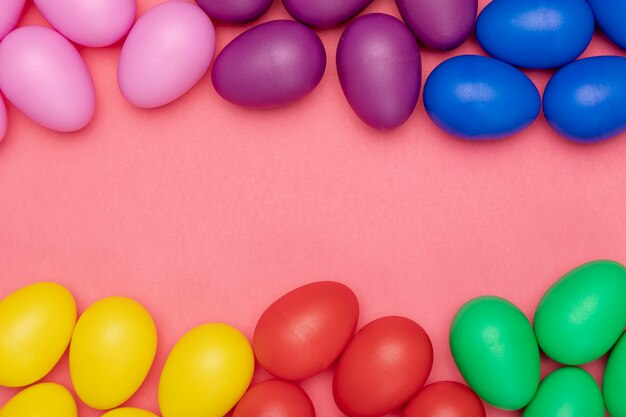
pixel 614 382
pixel 567 392
pixel 583 314
pixel 494 347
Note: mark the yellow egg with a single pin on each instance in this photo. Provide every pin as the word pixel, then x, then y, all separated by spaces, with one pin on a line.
pixel 41 400
pixel 36 324
pixel 206 373
pixel 112 350
pixel 129 412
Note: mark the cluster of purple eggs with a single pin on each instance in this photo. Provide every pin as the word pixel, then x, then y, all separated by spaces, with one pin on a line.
pixel 171 46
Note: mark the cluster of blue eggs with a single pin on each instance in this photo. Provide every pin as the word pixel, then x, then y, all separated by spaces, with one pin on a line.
pixel 477 97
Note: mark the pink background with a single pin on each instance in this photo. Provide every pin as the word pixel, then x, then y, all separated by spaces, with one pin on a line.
pixel 205 211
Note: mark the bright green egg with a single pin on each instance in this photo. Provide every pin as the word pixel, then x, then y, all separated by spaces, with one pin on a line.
pixel 567 392
pixel 614 382
pixel 583 314
pixel 494 347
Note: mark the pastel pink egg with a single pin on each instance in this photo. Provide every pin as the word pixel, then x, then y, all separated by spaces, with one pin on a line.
pixel 3 119
pixel 44 76
pixel 10 13
pixel 94 23
pixel 165 54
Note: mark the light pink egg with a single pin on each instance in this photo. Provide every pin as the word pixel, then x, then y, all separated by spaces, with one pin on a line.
pixel 3 119
pixel 10 13
pixel 165 54
pixel 94 23
pixel 44 76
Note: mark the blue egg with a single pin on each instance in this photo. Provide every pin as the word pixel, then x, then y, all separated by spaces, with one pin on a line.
pixel 610 16
pixel 535 33
pixel 475 97
pixel 585 101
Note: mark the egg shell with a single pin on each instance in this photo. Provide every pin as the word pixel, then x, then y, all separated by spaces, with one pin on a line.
pixel 614 380
pixel 583 101
pixel 44 76
pixel 475 97
pixel 324 13
pixel 11 13
pixel 206 373
pixel 439 24
pixel 494 347
pixel 304 332
pixel 94 23
pixel 3 119
pixel 235 11
pixel 445 399
pixel 270 65
pixel 36 324
pixel 385 364
pixel 583 314
pixel 41 400
pixel 535 33
pixel 275 398
pixel 609 15
pixel 128 412
pixel 165 54
pixel 570 392
pixel 380 70
pixel 112 350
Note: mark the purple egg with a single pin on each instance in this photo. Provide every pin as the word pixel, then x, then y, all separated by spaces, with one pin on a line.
pixel 324 13
pixel 235 11
pixel 439 24
pixel 270 65
pixel 380 71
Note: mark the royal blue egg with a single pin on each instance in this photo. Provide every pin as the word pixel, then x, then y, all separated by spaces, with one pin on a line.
pixel 535 33
pixel 610 16
pixel 475 97
pixel 585 101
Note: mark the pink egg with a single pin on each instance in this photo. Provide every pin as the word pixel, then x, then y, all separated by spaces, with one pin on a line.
pixel 94 23
pixel 3 119
pixel 44 76
pixel 165 54
pixel 10 13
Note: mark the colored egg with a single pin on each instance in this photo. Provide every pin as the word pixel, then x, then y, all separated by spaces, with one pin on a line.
pixel 583 314
pixel 36 324
pixel 206 373
pixel 614 380
pixel 476 97
pixel 275 398
pixel 385 364
pixel 379 66
pixel 128 412
pixel 94 23
pixel 494 347
pixel 112 350
pixel 324 13
pixel 44 76
pixel 439 24
pixel 570 392
pixel 304 332
pixel 3 119
pixel 165 54
pixel 445 399
pixel 235 11
pixel 271 65
pixel 609 16
pixel 41 400
pixel 11 13
pixel 535 33
pixel 583 100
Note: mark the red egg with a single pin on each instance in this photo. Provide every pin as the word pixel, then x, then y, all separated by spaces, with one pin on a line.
pixel 275 398
pixel 305 331
pixel 386 363
pixel 445 399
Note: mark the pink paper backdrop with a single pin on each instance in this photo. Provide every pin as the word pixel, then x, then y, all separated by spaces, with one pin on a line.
pixel 205 211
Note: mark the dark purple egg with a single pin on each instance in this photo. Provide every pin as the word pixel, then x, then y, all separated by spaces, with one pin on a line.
pixel 380 71
pixel 439 24
pixel 235 11
pixel 324 13
pixel 270 65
